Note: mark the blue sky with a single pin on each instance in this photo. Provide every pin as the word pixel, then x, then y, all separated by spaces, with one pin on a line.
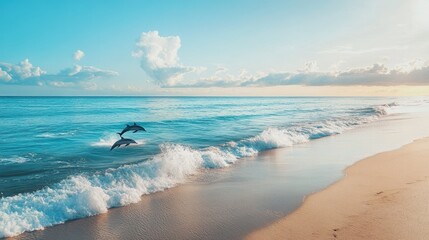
pixel 212 47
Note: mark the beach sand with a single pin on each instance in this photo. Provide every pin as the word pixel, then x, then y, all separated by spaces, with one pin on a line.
pixel 385 196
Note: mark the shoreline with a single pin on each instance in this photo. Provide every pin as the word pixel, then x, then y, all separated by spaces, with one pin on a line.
pixel 232 202
pixel 380 197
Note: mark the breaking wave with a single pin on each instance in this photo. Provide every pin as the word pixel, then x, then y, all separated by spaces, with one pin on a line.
pixel 86 195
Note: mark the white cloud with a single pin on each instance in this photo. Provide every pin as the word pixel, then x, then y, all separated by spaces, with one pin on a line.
pixel 4 76
pixel 416 64
pixel 310 66
pixel 159 58
pixel 78 55
pixel 75 70
pixel 82 73
pixel 60 84
pixel 25 73
pixel 415 73
pixel 21 71
pixel 375 75
pixel 26 70
pixel 335 67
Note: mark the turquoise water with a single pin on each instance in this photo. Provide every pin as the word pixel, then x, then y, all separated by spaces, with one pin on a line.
pixel 56 163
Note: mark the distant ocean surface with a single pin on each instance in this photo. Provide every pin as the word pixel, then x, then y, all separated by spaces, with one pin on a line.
pixel 55 158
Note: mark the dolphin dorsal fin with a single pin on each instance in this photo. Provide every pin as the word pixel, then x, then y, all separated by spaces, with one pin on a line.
pixel 128 125
pixel 135 123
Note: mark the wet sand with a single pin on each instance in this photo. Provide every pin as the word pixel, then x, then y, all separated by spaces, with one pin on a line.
pixel 381 197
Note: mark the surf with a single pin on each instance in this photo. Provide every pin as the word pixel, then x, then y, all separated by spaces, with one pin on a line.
pixel 86 195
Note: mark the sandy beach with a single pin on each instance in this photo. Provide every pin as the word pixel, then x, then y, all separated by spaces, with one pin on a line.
pixel 381 197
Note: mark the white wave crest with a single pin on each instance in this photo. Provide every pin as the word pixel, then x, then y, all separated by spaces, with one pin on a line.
pixel 82 196
pixel 13 160
pixel 383 109
pixel 56 135
pixel 28 157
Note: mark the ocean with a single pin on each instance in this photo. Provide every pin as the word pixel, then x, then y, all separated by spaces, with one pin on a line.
pixel 55 158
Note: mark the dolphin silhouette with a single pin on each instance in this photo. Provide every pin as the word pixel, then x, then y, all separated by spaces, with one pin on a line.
pixel 122 141
pixel 134 128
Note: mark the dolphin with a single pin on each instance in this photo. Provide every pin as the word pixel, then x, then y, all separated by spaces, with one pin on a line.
pixel 122 141
pixel 134 128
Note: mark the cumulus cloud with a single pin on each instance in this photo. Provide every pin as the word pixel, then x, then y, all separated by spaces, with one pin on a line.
pixel 4 75
pixel 22 70
pixel 78 55
pixel 159 58
pixel 24 73
pixel 415 73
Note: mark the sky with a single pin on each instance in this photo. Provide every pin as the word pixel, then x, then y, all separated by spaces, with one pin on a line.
pixel 223 47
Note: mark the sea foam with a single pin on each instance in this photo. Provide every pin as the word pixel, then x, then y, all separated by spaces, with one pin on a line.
pixel 56 135
pixel 28 157
pixel 86 195
pixel 12 160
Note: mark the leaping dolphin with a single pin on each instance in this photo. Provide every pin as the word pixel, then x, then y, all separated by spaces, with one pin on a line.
pixel 134 128
pixel 122 141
